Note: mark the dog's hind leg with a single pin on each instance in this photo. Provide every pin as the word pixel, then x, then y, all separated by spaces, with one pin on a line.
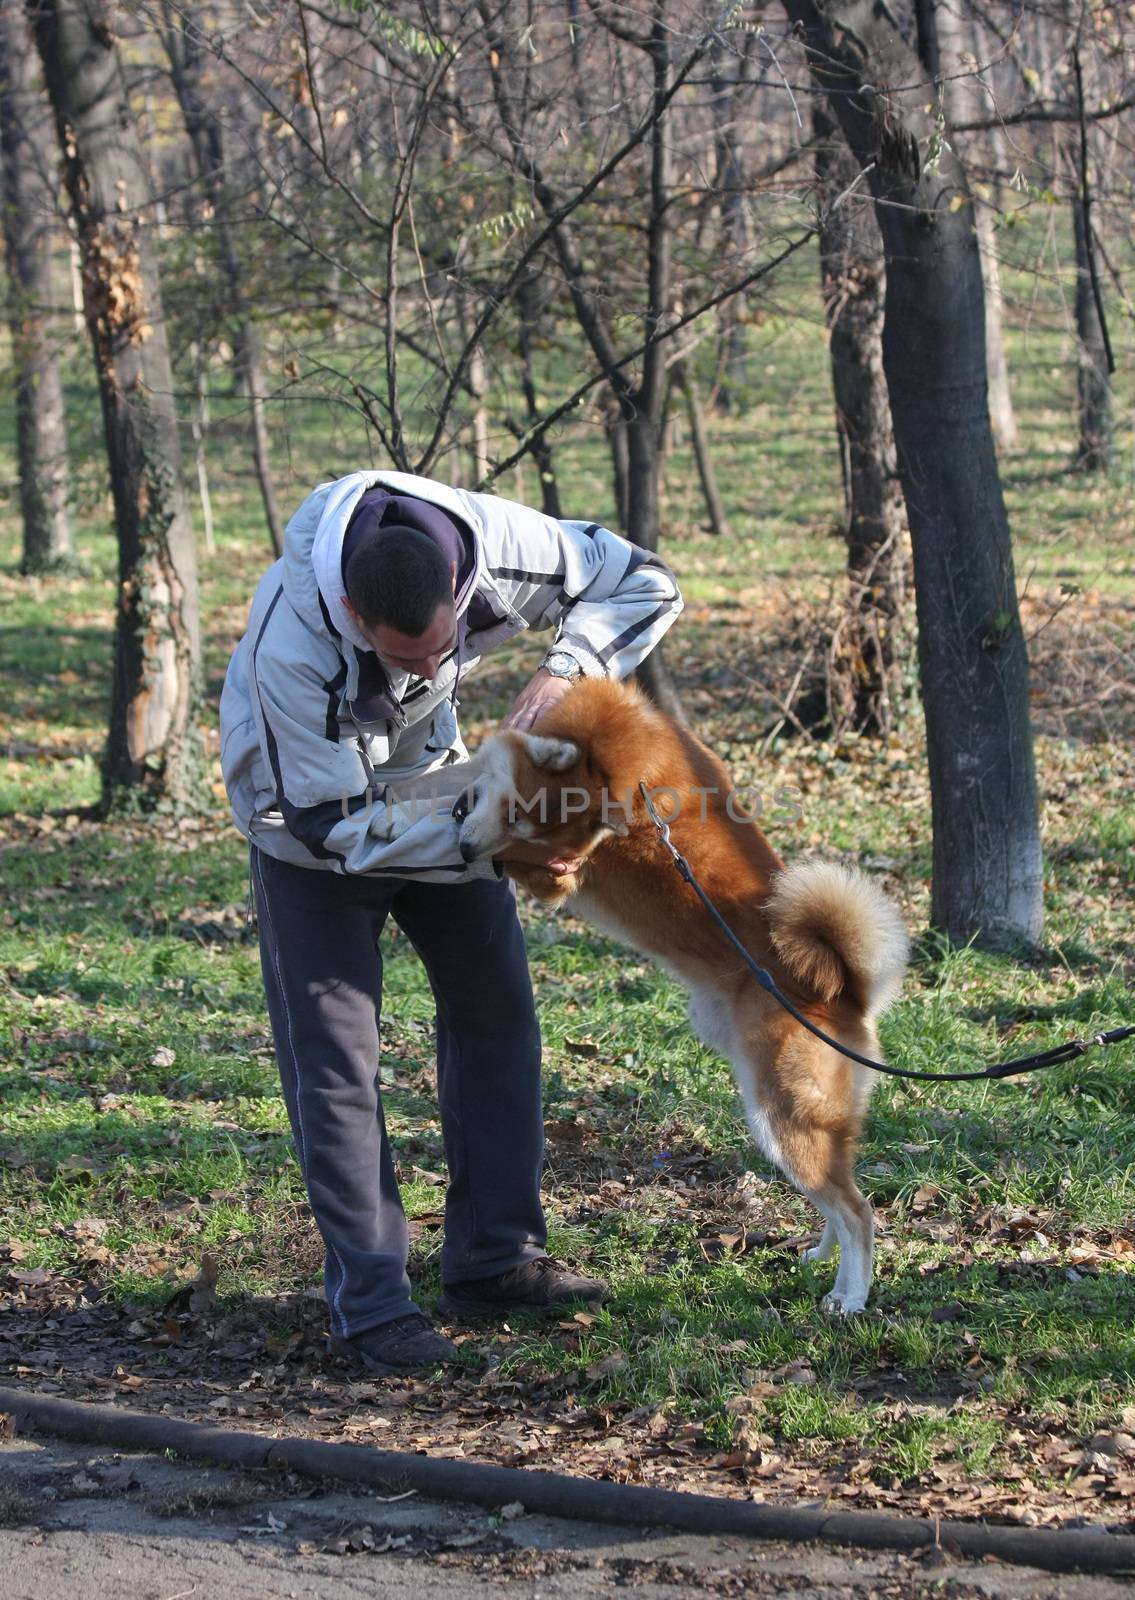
pixel 818 1158
pixel 852 1222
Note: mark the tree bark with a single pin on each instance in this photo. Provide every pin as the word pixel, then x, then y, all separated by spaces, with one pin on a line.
pixel 153 752
pixel 528 314
pixel 729 181
pixel 1093 386
pixel 26 145
pixel 183 44
pixel 974 670
pixel 707 477
pixel 864 654
pixel 957 35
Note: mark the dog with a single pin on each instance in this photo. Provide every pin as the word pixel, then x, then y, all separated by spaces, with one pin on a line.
pixel 833 942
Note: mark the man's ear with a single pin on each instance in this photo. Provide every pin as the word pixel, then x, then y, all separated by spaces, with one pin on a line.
pixel 550 755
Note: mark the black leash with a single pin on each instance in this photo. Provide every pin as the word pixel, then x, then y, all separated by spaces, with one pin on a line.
pixel 1003 1069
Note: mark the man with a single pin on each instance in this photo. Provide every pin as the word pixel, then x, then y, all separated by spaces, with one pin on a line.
pixel 390 590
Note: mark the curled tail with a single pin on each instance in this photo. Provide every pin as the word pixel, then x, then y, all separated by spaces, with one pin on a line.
pixel 836 931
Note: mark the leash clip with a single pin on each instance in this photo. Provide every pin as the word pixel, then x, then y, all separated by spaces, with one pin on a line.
pixel 663 827
pixel 651 811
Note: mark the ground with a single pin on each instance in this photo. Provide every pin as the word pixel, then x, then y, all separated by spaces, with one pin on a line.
pixel 139 1526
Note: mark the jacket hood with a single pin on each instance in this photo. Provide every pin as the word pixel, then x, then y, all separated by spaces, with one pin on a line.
pixel 313 548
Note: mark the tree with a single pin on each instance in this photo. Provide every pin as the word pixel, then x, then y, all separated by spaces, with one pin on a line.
pixel 958 37
pixel 974 671
pixel 184 42
pixel 643 289
pixel 153 752
pixel 1095 364
pixel 29 219
pixel 864 656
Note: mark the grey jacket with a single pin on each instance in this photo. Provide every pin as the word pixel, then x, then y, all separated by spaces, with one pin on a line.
pixel 311 764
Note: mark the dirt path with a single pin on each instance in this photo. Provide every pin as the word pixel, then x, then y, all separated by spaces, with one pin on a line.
pixel 76 1521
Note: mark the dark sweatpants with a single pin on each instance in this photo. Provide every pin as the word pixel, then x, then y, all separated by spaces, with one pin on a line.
pixel 323 976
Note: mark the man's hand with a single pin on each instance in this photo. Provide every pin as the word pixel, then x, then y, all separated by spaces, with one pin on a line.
pixel 540 694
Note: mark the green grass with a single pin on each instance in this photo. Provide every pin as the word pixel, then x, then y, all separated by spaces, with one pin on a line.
pixel 140 1118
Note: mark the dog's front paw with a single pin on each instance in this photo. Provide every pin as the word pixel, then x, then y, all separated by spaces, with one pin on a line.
pixel 845 1304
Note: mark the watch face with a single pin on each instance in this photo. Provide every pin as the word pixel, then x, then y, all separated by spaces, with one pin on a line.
pixel 561 665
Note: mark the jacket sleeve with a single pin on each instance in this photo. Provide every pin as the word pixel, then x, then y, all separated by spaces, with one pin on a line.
pixel 329 797
pixel 609 601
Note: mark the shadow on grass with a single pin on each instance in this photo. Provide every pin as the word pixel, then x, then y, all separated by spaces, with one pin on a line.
pixel 36 657
pixel 133 878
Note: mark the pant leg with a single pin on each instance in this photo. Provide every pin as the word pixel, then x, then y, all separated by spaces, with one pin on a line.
pixel 489 1094
pixel 323 978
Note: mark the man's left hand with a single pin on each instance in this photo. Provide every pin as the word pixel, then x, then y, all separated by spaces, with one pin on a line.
pixel 540 694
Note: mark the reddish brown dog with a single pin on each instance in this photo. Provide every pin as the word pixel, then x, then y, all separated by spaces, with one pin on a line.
pixel 833 942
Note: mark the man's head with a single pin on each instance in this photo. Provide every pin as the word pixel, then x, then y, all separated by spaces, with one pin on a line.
pixel 400 592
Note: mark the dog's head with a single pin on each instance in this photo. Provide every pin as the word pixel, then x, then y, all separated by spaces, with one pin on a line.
pixel 540 787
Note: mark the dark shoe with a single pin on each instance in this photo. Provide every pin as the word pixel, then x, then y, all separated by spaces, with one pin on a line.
pixel 534 1285
pixel 408 1344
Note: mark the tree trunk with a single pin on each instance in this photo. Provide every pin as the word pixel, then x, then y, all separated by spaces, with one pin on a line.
pixel 715 507
pixel 1093 386
pixel 864 654
pixel 154 752
pixel 1001 412
pixel 183 46
pixel 528 310
pixel 974 669
pixel 642 528
pixel 730 183
pixel 27 147
pixel 200 429
pixel 478 384
pixel 616 427
pixel 957 36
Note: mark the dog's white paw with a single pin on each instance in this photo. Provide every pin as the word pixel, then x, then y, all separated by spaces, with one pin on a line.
pixel 818 1252
pixel 846 1304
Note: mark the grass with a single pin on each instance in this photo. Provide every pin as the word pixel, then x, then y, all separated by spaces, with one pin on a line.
pixel 141 1127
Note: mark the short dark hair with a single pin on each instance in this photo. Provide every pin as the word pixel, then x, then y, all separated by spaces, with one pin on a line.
pixel 397 578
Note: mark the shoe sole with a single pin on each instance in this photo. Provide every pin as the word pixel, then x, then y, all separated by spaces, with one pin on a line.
pixel 456 1309
pixel 384 1369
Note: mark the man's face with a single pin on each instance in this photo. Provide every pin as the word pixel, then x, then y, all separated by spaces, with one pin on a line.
pixel 421 656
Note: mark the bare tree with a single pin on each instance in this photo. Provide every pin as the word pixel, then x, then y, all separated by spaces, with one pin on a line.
pixel 27 148
pixel 1095 362
pixel 153 752
pixel 974 670
pixel 865 653
pixel 1093 381
pixel 185 43
pixel 635 379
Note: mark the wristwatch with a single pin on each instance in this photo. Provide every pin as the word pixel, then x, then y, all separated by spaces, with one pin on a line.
pixel 561 665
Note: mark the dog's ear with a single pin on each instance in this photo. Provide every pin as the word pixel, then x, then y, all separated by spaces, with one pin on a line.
pixel 550 755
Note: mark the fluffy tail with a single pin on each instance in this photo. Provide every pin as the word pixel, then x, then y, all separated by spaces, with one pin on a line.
pixel 835 930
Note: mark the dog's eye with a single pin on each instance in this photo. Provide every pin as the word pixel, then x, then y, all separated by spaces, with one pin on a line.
pixel 464 804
